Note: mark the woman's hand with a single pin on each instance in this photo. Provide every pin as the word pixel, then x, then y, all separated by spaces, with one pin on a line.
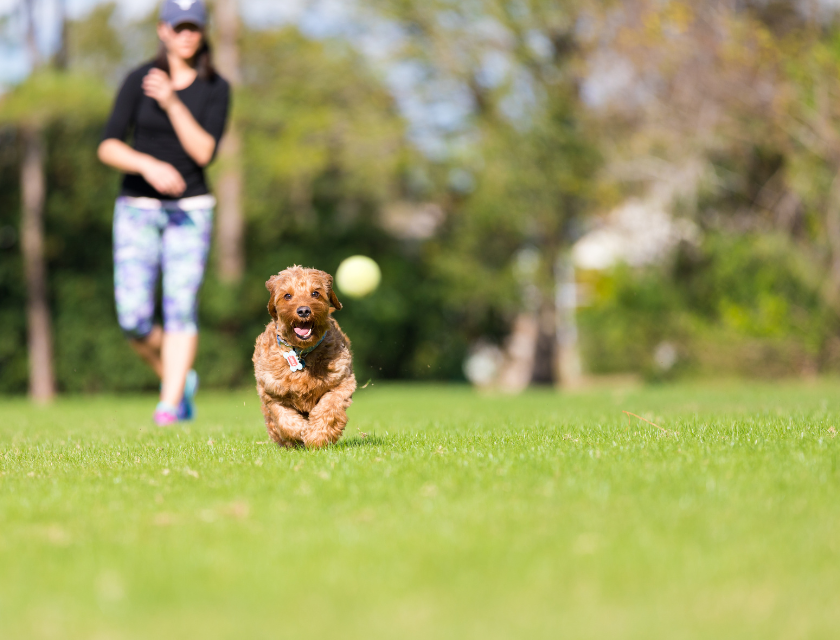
pixel 163 177
pixel 158 86
pixel 198 144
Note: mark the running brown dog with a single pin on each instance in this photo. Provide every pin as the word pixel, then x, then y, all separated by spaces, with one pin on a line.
pixel 302 361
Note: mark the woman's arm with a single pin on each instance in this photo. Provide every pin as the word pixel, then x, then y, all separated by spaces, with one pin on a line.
pixel 198 144
pixel 114 152
pixel 161 175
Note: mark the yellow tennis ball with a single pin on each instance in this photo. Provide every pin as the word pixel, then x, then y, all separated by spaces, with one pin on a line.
pixel 358 276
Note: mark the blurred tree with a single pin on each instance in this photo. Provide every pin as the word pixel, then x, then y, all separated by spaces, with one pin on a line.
pixel 747 92
pixel 230 226
pixel 313 109
pixel 47 95
pixel 39 330
pixel 522 164
pixel 810 118
pixel 94 46
pixel 60 57
pixel 33 194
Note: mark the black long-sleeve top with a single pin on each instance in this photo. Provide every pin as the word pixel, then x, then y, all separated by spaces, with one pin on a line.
pixel 153 133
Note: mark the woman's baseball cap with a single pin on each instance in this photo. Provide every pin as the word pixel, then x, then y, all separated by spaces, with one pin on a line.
pixel 175 12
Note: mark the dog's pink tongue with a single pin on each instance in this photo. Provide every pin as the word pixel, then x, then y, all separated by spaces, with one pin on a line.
pixel 303 332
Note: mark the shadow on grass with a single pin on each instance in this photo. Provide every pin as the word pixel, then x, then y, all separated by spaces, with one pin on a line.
pixel 352 442
pixel 359 441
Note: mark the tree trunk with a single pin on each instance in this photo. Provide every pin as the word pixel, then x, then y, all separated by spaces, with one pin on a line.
pixel 33 188
pixel 831 290
pixel 60 59
pixel 31 39
pixel 230 230
pixel 565 309
pixel 519 354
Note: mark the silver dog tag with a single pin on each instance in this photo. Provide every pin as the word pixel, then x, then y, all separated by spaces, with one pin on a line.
pixel 294 362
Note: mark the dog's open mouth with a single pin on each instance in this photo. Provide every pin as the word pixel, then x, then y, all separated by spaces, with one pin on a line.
pixel 303 330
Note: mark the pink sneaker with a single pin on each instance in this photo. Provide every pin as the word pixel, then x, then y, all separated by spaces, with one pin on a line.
pixel 165 414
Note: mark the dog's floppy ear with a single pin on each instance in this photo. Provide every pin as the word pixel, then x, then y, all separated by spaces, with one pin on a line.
pixel 269 284
pixel 328 279
pixel 334 299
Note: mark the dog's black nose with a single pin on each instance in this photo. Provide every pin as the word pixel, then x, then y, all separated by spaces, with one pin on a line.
pixel 304 312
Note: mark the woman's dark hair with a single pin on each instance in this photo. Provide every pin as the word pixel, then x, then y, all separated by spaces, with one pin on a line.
pixel 203 61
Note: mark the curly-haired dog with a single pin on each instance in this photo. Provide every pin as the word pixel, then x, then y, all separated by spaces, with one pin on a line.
pixel 302 361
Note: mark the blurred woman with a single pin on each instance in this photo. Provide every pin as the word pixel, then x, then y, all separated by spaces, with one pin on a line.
pixel 175 107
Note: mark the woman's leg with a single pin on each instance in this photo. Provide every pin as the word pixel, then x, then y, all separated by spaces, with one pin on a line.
pixel 149 349
pixel 186 241
pixel 137 251
pixel 178 355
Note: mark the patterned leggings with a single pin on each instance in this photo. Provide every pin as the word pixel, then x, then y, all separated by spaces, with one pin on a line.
pixel 150 236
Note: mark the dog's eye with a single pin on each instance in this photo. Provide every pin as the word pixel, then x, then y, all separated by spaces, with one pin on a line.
pixel 315 294
pixel 288 296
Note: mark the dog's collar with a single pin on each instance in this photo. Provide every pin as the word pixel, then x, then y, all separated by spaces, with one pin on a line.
pixel 299 353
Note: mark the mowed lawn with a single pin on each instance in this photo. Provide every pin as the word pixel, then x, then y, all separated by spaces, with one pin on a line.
pixel 441 514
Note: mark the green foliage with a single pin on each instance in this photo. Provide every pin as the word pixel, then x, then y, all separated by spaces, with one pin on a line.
pixel 634 313
pixel 312 108
pixel 94 43
pixel 48 96
pixel 91 354
pixel 749 305
pixel 13 363
pixel 456 516
pixel 530 189
pixel 522 163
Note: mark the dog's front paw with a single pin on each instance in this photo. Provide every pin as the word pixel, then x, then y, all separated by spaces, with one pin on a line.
pixel 329 417
pixel 319 438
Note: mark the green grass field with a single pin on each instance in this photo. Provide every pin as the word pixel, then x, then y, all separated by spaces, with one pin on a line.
pixel 455 516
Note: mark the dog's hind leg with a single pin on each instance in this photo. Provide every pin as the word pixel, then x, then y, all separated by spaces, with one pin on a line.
pixel 329 417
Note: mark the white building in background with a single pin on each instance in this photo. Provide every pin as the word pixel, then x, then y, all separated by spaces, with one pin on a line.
pixel 637 233
pixel 643 231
